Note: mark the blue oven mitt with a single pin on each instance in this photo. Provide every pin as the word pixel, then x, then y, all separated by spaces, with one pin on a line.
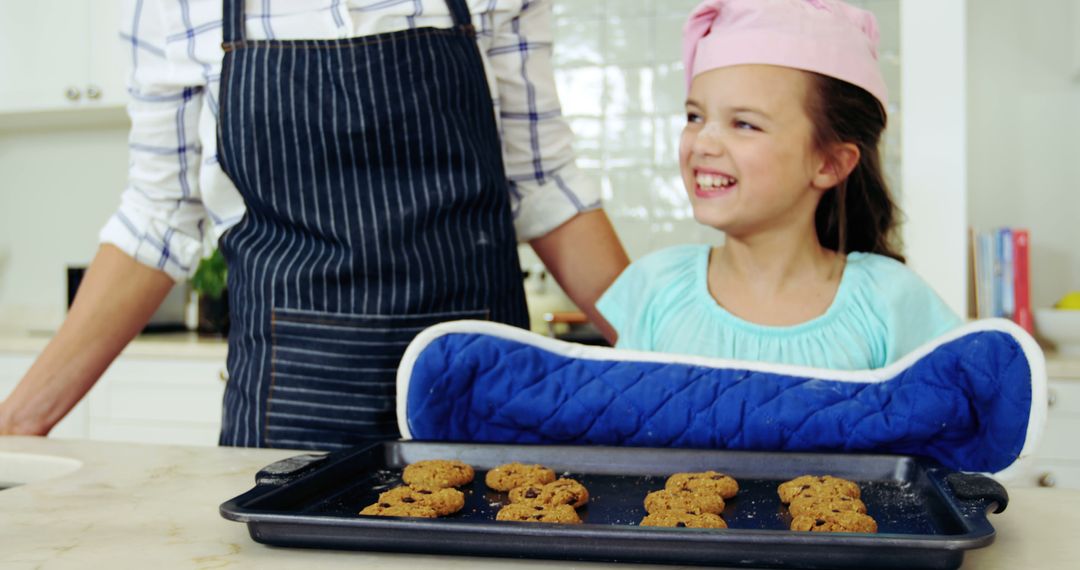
pixel 974 399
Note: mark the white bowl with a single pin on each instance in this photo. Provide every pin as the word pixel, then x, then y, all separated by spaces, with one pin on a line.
pixel 1062 327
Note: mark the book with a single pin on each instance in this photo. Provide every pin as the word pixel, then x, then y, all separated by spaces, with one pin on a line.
pixel 1005 247
pixel 984 275
pixel 1022 280
pixel 973 272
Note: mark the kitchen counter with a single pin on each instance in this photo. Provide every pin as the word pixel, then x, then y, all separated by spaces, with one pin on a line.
pixel 1062 367
pixel 160 345
pixel 191 345
pixel 143 506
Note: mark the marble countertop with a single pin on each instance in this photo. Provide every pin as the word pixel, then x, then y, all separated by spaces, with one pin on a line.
pixel 143 506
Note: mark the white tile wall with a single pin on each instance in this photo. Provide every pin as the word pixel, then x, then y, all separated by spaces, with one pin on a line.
pixel 620 78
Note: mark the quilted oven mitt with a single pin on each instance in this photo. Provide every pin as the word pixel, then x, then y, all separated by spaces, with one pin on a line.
pixel 974 399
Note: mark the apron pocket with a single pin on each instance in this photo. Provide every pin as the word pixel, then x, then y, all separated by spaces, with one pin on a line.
pixel 333 375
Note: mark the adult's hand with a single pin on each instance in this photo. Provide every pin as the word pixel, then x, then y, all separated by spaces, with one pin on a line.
pixel 585 256
pixel 116 299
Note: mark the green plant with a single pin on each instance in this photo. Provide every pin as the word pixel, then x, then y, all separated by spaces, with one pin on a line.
pixel 211 276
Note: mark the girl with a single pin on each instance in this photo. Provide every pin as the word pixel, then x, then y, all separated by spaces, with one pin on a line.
pixel 785 111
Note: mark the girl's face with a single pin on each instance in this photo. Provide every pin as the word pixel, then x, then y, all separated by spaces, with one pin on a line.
pixel 746 154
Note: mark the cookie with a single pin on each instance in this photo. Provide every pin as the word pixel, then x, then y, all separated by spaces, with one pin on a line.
pixel 437 473
pixel 705 482
pixel 835 522
pixel 683 501
pixel 823 493
pixel 399 510
pixel 558 492
pixel 444 501
pixel 558 514
pixel 812 505
pixel 510 475
pixel 826 485
pixel 686 520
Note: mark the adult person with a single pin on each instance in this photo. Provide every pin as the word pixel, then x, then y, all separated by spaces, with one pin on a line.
pixel 367 182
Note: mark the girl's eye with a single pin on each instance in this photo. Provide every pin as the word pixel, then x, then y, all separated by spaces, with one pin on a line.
pixel 743 125
pixel 693 118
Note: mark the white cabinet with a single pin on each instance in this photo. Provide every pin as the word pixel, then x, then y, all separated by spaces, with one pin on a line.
pixel 145 399
pixel 61 54
pixel 1057 463
pixel 109 56
pixel 157 400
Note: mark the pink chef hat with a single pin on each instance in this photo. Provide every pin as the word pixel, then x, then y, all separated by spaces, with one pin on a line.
pixel 824 36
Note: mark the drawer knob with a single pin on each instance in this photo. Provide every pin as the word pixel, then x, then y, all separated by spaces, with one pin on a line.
pixel 93 92
pixel 223 374
pixel 72 94
pixel 1048 480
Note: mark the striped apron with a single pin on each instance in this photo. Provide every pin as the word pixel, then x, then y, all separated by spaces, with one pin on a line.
pixel 377 205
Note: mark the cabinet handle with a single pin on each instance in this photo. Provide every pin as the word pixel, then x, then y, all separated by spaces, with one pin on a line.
pixel 1051 398
pixel 223 374
pixel 72 94
pixel 93 92
pixel 1047 480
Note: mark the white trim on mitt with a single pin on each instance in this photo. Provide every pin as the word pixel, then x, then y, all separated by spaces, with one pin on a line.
pixel 1035 358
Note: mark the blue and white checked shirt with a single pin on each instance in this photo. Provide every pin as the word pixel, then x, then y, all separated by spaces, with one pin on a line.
pixel 175 183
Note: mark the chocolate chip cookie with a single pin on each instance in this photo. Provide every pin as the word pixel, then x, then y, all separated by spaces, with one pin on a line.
pixel 510 475
pixel 705 482
pixel 826 485
pixel 443 501
pixel 683 501
pixel 438 473
pixel 687 520
pixel 811 505
pixel 399 510
pixel 558 492
pixel 835 522
pixel 558 514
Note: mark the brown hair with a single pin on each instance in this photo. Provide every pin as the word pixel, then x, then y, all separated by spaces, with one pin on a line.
pixel 859 214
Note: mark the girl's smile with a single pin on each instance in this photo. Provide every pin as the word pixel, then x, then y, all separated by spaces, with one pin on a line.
pixel 713 183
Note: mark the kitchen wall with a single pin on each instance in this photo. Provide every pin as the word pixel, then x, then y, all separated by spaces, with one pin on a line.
pixel 57 188
pixel 1024 131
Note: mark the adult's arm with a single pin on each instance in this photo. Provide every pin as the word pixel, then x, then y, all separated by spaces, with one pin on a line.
pixel 116 299
pixel 557 207
pixel 153 239
pixel 585 256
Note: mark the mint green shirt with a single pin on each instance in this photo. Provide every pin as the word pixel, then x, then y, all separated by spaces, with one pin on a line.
pixel 882 311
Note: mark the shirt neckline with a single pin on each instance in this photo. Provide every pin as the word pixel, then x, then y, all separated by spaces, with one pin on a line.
pixel 839 300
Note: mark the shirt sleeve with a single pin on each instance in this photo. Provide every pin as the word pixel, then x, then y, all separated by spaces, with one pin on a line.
pixel 546 187
pixel 160 221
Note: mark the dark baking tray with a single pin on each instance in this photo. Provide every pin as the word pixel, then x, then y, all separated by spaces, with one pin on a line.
pixel 927 516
